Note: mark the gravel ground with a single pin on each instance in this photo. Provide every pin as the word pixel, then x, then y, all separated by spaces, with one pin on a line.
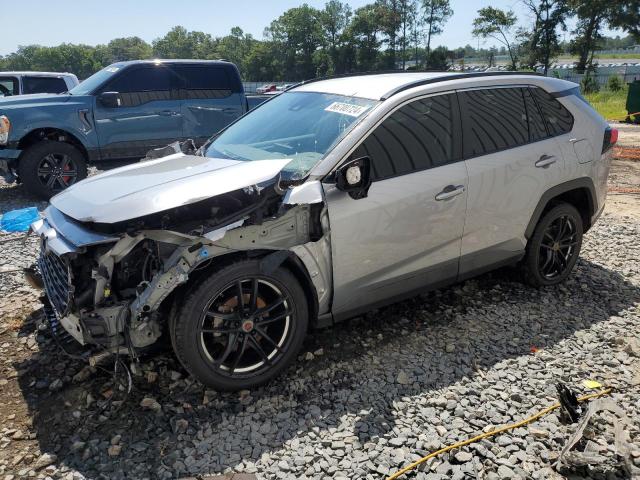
pixel 364 398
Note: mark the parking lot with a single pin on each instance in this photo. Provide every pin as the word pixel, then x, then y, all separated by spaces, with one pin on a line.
pixel 365 397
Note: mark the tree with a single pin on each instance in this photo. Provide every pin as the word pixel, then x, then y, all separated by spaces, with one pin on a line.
pixel 436 14
pixel 335 19
pixel 542 44
pixel 364 30
pixel 593 16
pixel 497 24
pixel 439 59
pixel 180 43
pixel 626 15
pixel 390 21
pixel 298 34
pixel 235 47
pixel 408 11
pixel 417 24
pixel 129 48
pixel 262 63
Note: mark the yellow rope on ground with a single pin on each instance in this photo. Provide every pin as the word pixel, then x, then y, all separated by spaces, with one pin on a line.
pixel 521 423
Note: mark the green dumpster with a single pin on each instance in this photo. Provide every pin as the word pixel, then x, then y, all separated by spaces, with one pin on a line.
pixel 633 100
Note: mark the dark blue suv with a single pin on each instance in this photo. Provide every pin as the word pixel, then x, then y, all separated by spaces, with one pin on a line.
pixel 115 116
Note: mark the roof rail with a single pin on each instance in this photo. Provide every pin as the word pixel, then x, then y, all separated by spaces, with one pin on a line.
pixel 446 75
pixel 353 74
pixel 458 76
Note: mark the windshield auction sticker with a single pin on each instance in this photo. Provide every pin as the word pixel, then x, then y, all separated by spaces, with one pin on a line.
pixel 346 109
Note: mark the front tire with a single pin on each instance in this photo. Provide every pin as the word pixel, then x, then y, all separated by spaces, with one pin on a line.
pixel 554 247
pixel 240 327
pixel 48 167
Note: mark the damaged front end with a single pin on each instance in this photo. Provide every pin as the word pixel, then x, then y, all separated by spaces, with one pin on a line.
pixel 112 281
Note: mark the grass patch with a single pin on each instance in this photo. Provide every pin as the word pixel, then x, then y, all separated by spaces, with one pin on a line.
pixel 611 105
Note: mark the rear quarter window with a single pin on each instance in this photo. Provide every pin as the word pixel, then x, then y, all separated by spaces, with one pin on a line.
pixel 43 85
pixel 558 119
pixel 205 81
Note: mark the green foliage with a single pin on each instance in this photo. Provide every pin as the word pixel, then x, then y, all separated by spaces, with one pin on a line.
pixel 626 15
pixel 614 84
pixel 541 44
pixel 296 36
pixel 129 48
pixel 589 84
pixel 180 43
pixel 438 59
pixel 305 41
pixel 611 105
pixel 435 14
pixel 497 24
pixel 82 60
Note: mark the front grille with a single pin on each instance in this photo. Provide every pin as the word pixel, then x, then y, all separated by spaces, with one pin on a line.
pixel 56 278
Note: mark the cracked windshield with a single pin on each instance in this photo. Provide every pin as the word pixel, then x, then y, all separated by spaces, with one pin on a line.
pixel 302 126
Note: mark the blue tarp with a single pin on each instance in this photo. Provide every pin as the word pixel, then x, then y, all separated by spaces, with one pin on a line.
pixel 18 220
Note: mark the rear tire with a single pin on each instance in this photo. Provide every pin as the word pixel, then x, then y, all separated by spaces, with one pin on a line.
pixel 233 341
pixel 554 247
pixel 48 167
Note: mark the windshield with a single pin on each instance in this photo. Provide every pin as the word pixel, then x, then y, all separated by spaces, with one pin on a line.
pixel 94 81
pixel 303 126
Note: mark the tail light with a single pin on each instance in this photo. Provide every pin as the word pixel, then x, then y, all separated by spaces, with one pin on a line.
pixel 610 138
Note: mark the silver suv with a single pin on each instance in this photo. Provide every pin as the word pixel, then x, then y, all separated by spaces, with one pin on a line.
pixel 330 199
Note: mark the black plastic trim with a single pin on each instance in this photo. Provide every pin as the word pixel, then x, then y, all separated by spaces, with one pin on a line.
pixel 578 183
pixel 566 93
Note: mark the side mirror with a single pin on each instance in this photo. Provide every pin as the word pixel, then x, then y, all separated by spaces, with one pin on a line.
pixel 354 177
pixel 110 99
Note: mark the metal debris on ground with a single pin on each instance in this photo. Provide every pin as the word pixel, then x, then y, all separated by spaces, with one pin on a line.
pixel 593 452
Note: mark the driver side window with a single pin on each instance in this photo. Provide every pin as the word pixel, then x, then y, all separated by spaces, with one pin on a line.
pixel 142 85
pixel 417 136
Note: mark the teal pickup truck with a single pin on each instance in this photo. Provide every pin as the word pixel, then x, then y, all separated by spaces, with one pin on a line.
pixel 116 116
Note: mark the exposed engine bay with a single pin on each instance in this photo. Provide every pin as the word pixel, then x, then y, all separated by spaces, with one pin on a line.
pixel 114 283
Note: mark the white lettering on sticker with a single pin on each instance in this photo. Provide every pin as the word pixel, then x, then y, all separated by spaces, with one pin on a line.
pixel 346 109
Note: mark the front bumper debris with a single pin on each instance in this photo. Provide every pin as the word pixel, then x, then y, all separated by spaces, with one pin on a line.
pixel 6 172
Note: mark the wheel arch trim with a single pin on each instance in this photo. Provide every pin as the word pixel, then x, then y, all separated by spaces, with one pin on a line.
pixel 583 183
pixel 76 140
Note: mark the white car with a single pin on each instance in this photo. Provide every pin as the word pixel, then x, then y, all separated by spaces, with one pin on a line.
pixel 25 83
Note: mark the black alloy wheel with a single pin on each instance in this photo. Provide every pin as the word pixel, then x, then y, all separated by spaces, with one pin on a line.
pixel 557 247
pixel 244 329
pixel 240 327
pixel 554 247
pixel 48 167
pixel 57 171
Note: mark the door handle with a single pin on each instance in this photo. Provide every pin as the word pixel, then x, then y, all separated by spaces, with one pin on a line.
pixel 450 191
pixel 168 113
pixel 576 140
pixel 545 160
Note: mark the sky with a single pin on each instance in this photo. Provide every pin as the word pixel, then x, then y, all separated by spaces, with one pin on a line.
pixel 46 23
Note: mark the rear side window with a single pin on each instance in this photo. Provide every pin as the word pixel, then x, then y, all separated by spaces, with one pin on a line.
pixel 559 120
pixel 418 136
pixel 203 81
pixel 142 85
pixel 43 85
pixel 537 130
pixel 495 119
pixel 8 86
